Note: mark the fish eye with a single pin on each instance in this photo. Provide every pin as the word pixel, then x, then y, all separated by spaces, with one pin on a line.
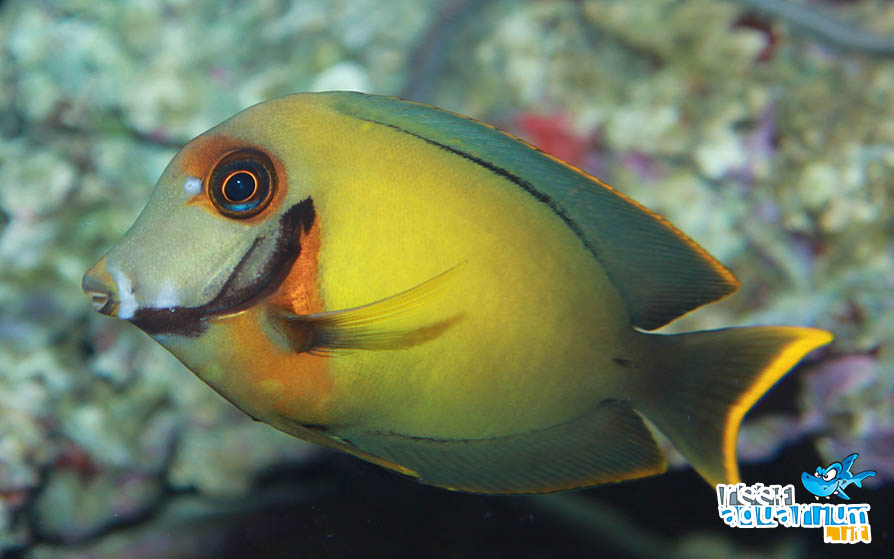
pixel 242 183
pixel 830 475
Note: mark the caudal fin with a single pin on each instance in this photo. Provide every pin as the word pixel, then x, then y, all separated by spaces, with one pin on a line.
pixel 858 479
pixel 707 382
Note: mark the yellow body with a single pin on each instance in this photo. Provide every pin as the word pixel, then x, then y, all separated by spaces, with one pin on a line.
pixel 529 342
pixel 505 294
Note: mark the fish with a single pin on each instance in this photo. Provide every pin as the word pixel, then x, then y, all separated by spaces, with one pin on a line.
pixel 435 296
pixel 832 480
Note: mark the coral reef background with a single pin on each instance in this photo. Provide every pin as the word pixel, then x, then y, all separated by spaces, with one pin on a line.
pixel 765 134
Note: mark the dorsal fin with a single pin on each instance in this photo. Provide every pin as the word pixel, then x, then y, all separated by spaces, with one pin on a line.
pixel 660 273
pixel 846 465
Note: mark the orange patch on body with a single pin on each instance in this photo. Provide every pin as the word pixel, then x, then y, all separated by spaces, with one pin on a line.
pixel 300 292
pixel 271 381
pixel 294 385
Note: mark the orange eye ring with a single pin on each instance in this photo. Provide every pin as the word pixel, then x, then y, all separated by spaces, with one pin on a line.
pixel 242 183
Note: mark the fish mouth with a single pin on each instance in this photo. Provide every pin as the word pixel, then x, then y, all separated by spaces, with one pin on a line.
pixel 101 302
pixel 101 289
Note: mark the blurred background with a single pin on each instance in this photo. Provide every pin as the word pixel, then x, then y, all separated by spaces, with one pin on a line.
pixel 763 129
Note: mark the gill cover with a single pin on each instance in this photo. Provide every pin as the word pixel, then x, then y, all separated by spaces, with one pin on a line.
pixel 221 206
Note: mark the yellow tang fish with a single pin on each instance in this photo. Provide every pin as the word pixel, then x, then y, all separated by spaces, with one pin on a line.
pixel 437 297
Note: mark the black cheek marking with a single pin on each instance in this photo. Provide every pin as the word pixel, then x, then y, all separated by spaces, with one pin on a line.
pixel 506 174
pixel 228 296
pixel 193 321
pixel 182 321
pixel 232 297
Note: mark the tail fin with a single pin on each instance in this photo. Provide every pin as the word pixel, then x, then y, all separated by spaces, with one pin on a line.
pixel 858 479
pixel 711 379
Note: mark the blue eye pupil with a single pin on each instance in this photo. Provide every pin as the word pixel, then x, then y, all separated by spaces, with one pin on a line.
pixel 239 187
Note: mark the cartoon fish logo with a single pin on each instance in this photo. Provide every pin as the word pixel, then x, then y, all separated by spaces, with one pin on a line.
pixel 833 479
pixel 437 297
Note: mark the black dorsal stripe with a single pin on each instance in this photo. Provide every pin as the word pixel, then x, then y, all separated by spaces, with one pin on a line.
pixel 503 173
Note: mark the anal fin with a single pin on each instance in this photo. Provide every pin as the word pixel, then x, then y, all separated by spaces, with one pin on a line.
pixel 608 444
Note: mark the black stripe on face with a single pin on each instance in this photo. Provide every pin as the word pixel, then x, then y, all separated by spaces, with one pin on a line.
pixel 506 174
pixel 238 292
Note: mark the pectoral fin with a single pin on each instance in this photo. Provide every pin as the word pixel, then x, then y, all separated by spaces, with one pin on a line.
pixel 396 322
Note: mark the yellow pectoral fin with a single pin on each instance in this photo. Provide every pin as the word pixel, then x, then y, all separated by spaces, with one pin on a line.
pixel 396 322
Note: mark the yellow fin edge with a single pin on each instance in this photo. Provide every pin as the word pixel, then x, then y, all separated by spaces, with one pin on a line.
pixel 811 338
